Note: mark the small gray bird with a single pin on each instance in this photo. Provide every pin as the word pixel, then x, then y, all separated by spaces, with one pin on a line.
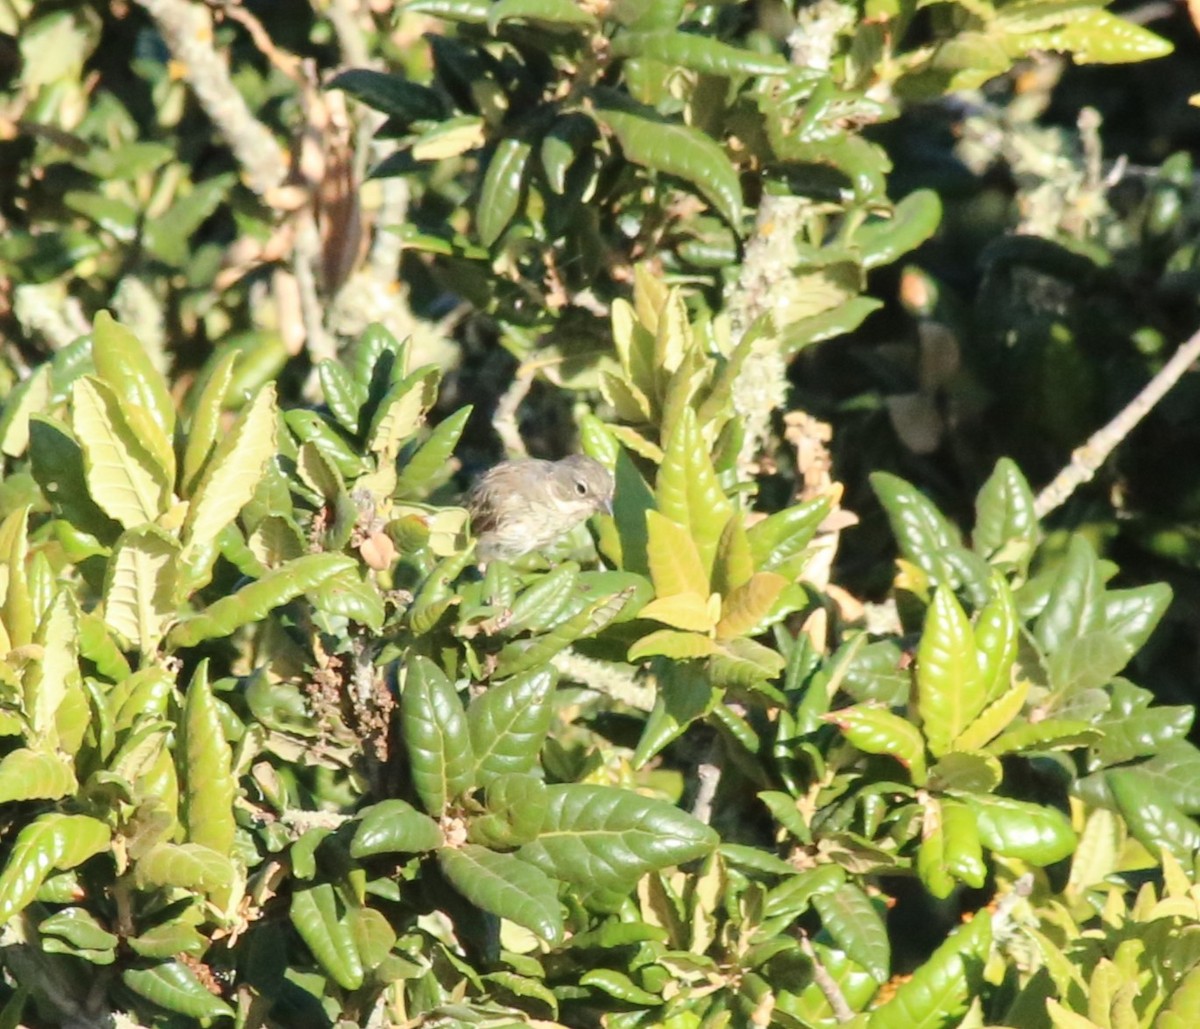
pixel 520 506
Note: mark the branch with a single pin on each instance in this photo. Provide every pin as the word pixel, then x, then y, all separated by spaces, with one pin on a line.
pixel 1087 459
pixel 187 29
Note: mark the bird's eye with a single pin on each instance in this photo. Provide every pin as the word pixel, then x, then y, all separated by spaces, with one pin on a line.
pixel 581 487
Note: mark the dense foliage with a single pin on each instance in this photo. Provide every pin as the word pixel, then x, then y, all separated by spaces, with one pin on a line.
pixel 276 751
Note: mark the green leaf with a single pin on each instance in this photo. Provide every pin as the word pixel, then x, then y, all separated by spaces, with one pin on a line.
pixel 849 916
pixel 605 838
pixel 996 643
pixel 698 53
pixel 785 534
pixel 506 886
pixel 744 611
pixel 966 771
pixel 1085 663
pixel 689 493
pixel 139 586
pixel 54 680
pixel 508 724
pixel 187 866
pixel 503 184
pixel 57 463
pixel 123 363
pixel 252 603
pixel 76 931
pixel 684 695
pixel 516 808
pixel 547 13
pixel 436 736
pixel 394 826
pixel 620 986
pixel 232 473
pixel 391 94
pixel 949 691
pixel 1153 818
pixel 33 775
pixel 431 460
pixel 1014 828
pixel 676 564
pixel 1006 524
pixel 174 987
pixel 994 718
pixel 1075 604
pixel 875 730
pixel 204 432
pixel 940 991
pixel 1134 727
pixel 17 623
pixel 649 140
pixel 124 478
pixel 913 220
pixel 402 412
pixel 921 530
pixel 51 842
pixel 205 770
pixel 672 644
pixel 314 913
pixel 1089 35
pixel 1132 615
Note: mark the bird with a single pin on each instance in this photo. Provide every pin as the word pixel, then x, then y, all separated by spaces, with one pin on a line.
pixel 527 504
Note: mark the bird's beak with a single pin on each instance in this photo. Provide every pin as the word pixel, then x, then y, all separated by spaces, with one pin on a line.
pixel 606 507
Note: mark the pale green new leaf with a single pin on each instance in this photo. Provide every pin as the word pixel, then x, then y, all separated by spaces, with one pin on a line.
pixel 139 586
pixel 233 472
pixel 52 842
pixel 33 775
pixel 123 477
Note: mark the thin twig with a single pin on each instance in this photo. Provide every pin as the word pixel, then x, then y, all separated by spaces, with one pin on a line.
pixel 187 29
pixel 1087 459
pixel 826 983
pixel 505 420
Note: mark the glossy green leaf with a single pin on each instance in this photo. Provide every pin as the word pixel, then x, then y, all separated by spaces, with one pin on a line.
pixel 689 493
pixel 1018 829
pixel 676 563
pixel 996 644
pixel 78 929
pixel 394 826
pixel 966 771
pixel 745 610
pixel 51 842
pixel 994 718
pixel 949 691
pixel 1132 615
pixel 310 427
pixel 206 769
pixel 875 730
pixel 18 623
pixel 503 184
pixel 391 94
pixel 253 602
pixel 32 775
pixel 1089 35
pixel 57 461
pixel 785 534
pixel 601 837
pixel 1152 817
pixel 914 219
pixel 436 736
pixel 123 363
pixel 506 886
pixel 922 532
pixel 431 460
pixel 205 431
pixel 684 695
pixel 515 810
pixel 51 683
pixel 697 53
pixel 232 473
pixel 187 866
pixel 1006 525
pixel 1136 727
pixel 942 988
pixel 508 724
pixel 673 644
pixel 139 588
pixel 548 13
pixel 174 986
pixel 849 916
pixel 1075 605
pixel 315 914
pixel 123 476
pixel 651 141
